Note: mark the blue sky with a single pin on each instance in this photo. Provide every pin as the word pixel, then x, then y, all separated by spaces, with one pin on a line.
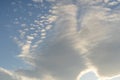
pixel 59 40
pixel 8 49
pixel 13 11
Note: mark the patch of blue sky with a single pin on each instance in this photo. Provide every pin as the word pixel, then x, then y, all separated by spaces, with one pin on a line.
pixel 13 13
pixel 89 76
pixel 8 51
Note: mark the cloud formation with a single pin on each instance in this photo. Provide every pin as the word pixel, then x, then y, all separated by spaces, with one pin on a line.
pixel 59 59
pixel 104 32
pixel 78 35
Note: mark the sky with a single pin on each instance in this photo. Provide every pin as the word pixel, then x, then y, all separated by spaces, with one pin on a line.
pixel 59 40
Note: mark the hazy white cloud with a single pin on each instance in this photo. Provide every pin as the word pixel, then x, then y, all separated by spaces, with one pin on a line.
pixel 25 50
pixel 67 52
pixel 59 58
pixel 99 33
pixel 112 3
pixel 37 1
pixel 6 75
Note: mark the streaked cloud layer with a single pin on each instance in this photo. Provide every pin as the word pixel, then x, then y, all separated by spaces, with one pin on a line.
pixel 77 36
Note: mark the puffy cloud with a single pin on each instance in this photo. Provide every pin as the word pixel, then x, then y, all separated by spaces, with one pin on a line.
pixel 25 50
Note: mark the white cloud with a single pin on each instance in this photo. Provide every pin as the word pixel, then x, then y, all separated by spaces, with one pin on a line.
pixel 47 77
pixel 37 1
pixel 30 37
pixel 25 50
pixel 59 58
pixel 6 75
pixel 99 33
pixel 51 18
pixel 48 27
pixel 68 52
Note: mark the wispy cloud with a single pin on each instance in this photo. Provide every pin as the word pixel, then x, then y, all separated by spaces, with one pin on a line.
pixel 66 53
pixel 5 75
pixel 59 59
